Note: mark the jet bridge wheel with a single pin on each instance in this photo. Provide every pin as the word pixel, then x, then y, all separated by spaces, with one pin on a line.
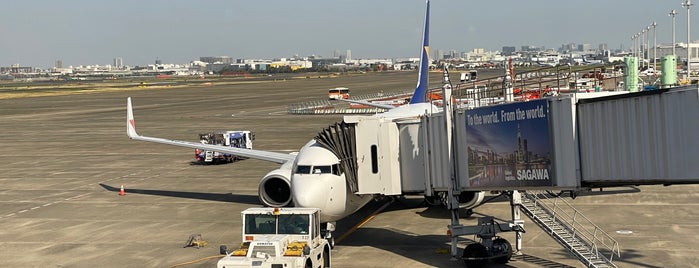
pixel 475 255
pixel 501 250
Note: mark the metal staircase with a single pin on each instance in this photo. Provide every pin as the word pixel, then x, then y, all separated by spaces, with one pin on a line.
pixel 570 228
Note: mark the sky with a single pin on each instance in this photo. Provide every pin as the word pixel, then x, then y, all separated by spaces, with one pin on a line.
pixel 38 32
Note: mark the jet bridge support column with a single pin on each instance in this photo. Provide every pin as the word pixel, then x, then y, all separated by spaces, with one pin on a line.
pixel 515 203
pixel 454 188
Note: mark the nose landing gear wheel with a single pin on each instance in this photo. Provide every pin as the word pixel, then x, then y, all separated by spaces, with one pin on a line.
pixel 331 241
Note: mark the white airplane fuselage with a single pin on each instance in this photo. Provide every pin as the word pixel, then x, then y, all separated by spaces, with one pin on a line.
pixel 317 182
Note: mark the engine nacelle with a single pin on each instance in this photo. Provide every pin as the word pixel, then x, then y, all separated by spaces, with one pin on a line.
pixel 469 199
pixel 275 188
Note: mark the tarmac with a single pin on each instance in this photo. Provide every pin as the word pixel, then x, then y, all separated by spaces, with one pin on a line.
pixel 67 155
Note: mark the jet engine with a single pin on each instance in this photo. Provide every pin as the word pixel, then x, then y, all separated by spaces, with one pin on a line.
pixel 470 199
pixel 275 188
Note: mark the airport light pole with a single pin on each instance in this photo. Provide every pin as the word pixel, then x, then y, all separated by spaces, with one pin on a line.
pixel 638 44
pixel 648 46
pixel 642 48
pixel 655 45
pixel 687 4
pixel 633 47
pixel 672 14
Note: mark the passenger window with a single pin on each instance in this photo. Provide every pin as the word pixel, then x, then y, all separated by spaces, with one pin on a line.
pixel 303 169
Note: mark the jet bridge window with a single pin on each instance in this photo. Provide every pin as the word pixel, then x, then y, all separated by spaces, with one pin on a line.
pixel 374 159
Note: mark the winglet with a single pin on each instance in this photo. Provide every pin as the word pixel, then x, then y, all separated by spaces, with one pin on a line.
pixel 130 124
pixel 420 94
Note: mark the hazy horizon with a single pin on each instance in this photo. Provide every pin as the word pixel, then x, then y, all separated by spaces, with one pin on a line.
pixel 37 33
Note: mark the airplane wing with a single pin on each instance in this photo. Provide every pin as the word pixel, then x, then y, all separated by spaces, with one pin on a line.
pixel 378 105
pixel 275 157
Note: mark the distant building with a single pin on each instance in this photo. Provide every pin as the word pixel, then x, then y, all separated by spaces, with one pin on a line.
pixel 158 62
pixel 681 53
pixel 349 56
pixel 217 59
pixel 508 50
pixel 118 63
pixel 16 69
pixel 529 48
pixel 565 48
pixel 59 64
pixel 584 47
pixel 321 62
pixel 453 54
pixel 439 55
pixel 603 47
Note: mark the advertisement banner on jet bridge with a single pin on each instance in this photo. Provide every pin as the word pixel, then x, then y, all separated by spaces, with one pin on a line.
pixel 508 145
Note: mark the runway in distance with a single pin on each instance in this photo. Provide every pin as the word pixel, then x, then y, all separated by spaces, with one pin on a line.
pixel 315 177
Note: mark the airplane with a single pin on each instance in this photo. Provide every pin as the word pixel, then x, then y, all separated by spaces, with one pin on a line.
pixel 314 176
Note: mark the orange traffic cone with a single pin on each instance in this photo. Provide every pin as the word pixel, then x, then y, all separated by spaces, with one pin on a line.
pixel 121 191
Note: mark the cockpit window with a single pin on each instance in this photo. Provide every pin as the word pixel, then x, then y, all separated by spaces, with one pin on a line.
pixel 321 169
pixel 303 169
pixel 336 169
pixel 332 169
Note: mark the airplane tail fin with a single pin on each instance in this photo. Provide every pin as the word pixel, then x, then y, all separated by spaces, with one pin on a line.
pixel 420 94
pixel 130 124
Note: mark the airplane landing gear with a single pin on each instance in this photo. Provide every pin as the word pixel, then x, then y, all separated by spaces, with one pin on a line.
pixel 331 242
pixel 329 228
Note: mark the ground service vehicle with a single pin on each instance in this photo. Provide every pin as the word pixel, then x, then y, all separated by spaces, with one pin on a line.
pixel 338 93
pixel 231 138
pixel 279 237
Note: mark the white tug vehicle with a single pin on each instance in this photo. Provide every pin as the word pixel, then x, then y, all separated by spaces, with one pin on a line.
pixel 279 238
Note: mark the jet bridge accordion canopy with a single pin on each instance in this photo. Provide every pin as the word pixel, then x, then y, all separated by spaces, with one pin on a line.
pixel 340 139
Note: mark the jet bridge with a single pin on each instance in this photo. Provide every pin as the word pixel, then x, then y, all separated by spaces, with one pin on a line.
pixel 649 137
pixel 569 142
pixel 563 143
pixel 581 141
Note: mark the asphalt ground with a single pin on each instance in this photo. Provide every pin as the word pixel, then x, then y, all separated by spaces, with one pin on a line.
pixel 66 155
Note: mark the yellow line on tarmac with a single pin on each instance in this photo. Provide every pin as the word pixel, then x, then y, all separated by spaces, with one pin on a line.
pixel 360 224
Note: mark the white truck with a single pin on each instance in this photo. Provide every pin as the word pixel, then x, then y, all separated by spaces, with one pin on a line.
pixel 279 238
pixel 231 138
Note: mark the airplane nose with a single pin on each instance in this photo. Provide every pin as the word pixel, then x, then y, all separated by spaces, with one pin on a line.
pixel 310 191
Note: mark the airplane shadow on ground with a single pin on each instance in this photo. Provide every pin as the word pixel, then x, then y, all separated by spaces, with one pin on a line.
pixel 227 197
pixel 202 163
pixel 426 248
pixel 627 257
